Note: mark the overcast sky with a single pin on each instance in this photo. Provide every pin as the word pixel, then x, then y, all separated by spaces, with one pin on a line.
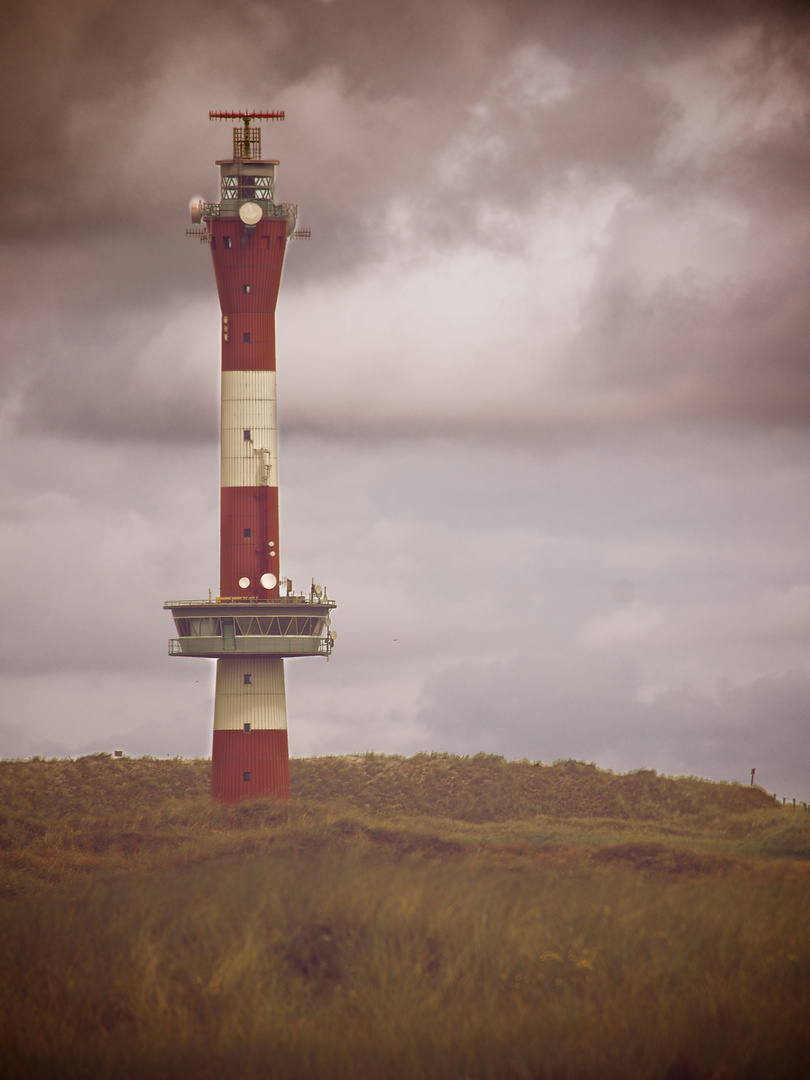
pixel 544 373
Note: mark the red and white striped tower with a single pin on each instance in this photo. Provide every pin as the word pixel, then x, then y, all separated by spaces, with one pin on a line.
pixel 254 623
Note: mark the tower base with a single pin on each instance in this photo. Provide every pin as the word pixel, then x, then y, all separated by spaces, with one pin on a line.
pixel 250 755
pixel 245 765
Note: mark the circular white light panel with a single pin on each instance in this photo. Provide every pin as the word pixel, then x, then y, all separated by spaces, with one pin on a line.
pixel 244 582
pixel 250 213
pixel 269 581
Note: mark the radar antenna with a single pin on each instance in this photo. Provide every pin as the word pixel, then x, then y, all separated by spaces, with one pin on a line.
pixel 247 141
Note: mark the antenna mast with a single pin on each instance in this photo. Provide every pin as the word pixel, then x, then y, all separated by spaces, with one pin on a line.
pixel 247 141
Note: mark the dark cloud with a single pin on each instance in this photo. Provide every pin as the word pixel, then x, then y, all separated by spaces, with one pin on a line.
pixel 416 134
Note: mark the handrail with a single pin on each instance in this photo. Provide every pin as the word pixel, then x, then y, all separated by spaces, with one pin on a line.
pixel 218 601
pixel 242 645
pixel 271 209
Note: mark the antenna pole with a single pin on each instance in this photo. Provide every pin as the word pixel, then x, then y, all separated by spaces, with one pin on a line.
pixel 243 144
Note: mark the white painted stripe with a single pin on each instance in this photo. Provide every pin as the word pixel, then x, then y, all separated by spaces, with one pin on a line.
pixel 249 404
pixel 262 702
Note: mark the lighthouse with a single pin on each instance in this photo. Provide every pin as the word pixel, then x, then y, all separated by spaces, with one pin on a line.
pixel 257 620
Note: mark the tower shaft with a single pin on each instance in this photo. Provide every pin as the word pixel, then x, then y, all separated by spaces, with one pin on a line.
pixel 247 264
pixel 250 752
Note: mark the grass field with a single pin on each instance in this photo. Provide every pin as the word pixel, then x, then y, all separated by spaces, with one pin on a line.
pixel 427 917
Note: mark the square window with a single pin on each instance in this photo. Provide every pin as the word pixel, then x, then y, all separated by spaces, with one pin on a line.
pixel 246 435
pixel 226 241
pixel 246 727
pixel 246 777
pixel 246 533
pixel 247 679
pixel 246 337
pixel 245 288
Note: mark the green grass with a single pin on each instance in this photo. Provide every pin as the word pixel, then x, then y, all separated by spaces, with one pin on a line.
pixel 431 917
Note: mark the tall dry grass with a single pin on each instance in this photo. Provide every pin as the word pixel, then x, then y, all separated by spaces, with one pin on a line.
pixel 148 931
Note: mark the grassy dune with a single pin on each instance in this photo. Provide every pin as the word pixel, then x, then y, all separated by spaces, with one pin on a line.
pixel 433 917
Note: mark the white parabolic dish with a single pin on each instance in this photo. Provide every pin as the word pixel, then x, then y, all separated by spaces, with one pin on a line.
pixel 250 213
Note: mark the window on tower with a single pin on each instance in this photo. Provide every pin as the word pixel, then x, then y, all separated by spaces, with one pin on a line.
pixel 247 187
pixel 246 777
pixel 246 288
pixel 246 337
pixel 247 679
pixel 254 187
pixel 246 435
pixel 226 241
pixel 246 533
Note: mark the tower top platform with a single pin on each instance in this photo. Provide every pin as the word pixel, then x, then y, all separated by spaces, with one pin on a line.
pixel 246 177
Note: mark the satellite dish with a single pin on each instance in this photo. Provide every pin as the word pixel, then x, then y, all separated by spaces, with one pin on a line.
pixel 318 591
pixel 327 621
pixel 197 207
pixel 269 581
pixel 250 213
pixel 333 635
pixel 244 582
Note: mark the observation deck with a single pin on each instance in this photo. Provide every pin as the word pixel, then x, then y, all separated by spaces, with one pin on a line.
pixel 241 626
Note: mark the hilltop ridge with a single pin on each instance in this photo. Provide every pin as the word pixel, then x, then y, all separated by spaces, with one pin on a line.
pixel 478 788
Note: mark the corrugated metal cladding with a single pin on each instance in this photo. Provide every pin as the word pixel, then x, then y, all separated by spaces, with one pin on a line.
pixel 254 257
pixel 249 404
pixel 250 690
pixel 257 352
pixel 253 510
pixel 246 765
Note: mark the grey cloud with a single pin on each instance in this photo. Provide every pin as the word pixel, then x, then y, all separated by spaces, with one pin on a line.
pixel 544 711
